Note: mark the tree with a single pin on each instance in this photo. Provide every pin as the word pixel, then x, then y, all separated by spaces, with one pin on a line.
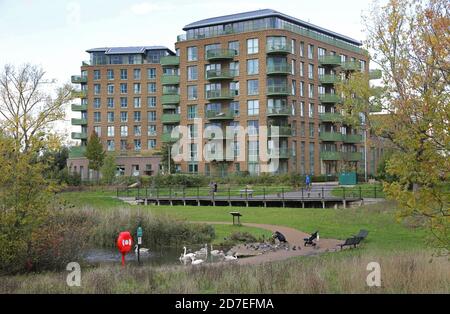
pixel 95 153
pixel 410 43
pixel 109 169
pixel 165 159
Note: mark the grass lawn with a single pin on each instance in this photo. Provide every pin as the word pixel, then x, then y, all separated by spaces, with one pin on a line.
pixel 366 190
pixel 384 231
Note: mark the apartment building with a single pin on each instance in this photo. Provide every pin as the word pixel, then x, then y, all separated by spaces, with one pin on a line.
pixel 254 70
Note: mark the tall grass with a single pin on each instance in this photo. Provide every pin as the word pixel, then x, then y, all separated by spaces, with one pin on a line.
pixel 405 272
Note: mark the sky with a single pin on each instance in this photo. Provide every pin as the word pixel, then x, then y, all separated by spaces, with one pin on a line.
pixel 56 34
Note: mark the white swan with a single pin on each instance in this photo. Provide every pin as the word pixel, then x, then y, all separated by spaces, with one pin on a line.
pixel 142 250
pixel 185 256
pixel 215 252
pixel 202 252
pixel 231 257
pixel 196 261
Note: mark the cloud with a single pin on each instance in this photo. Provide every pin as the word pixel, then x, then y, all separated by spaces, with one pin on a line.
pixel 144 8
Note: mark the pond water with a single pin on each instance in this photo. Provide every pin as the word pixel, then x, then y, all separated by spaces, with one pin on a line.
pixel 155 257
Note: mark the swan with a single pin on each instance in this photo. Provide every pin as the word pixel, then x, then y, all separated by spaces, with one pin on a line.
pixel 185 256
pixel 202 252
pixel 196 261
pixel 141 250
pixel 231 257
pixel 215 252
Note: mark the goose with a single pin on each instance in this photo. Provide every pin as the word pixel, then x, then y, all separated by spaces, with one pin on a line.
pixel 142 250
pixel 196 261
pixel 185 256
pixel 215 252
pixel 231 257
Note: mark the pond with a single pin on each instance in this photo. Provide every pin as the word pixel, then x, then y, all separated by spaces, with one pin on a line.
pixel 155 257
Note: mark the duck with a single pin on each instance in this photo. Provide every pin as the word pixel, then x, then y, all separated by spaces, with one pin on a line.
pixel 215 252
pixel 142 250
pixel 196 261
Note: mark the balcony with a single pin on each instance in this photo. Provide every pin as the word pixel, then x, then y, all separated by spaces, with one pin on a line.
pixel 278 48
pixel 220 94
pixel 331 136
pixel 220 54
pixel 352 156
pixel 328 79
pixel 330 60
pixel 222 136
pixel 278 90
pixel 170 79
pixel 215 75
pixel 76 107
pixel 76 79
pixel 278 112
pixel 170 61
pixel 76 121
pixel 330 117
pixel 170 118
pixel 167 137
pixel 329 98
pixel 351 66
pixel 77 151
pixel 170 99
pixel 353 138
pixel 79 136
pixel 282 153
pixel 375 74
pixel 79 93
pixel 277 69
pixel 283 131
pixel 170 106
pixel 329 156
pixel 219 115
pixel 171 90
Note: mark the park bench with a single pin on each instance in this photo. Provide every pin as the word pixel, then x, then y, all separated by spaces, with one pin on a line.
pixel 362 234
pixel 246 192
pixel 355 240
pixel 310 240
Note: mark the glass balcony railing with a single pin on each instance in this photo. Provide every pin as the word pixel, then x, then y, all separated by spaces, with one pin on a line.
pixel 278 48
pixel 330 117
pixel 278 111
pixel 213 75
pixel 76 121
pixel 329 98
pixel 170 90
pixel 79 93
pixel 328 79
pixel 280 68
pixel 220 94
pixel 283 131
pixel 170 118
pixel 79 136
pixel 77 151
pixel 170 79
pixel 169 60
pixel 281 153
pixel 353 138
pixel 167 137
pixel 329 155
pixel 331 136
pixel 220 54
pixel 330 60
pixel 170 99
pixel 219 115
pixel 78 79
pixel 76 107
pixel 278 90
pixel 352 156
pixel 351 66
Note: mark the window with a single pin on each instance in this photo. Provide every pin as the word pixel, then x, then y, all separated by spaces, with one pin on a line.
pixel 137 88
pixel 293 67
pixel 123 74
pixel 151 102
pixel 96 89
pixel 110 102
pixel 123 145
pixel 193 168
pixel 152 144
pixel 123 88
pixel 98 130
pixel 252 127
pixel 321 52
pixel 234 87
pixel 151 131
pixel 302 68
pixel 151 88
pixel 192 73
pixel 234 45
pixel 253 151
pixel 311 130
pixel 192 92
pixel 96 75
pixel 110 74
pixel 252 87
pixel 253 107
pixel 193 151
pixel 234 107
pixel 192 54
pixel 97 117
pixel 311 158
pixel 151 73
pixel 252 66
pixel 110 130
pixel 137 130
pixel 137 147
pixel 302 89
pixel 110 88
pixel 302 109
pixel 311 71
pixel 110 116
pixel 302 49
pixel 151 115
pixel 137 74
pixel 137 116
pixel 311 110
pixel 123 116
pixel 123 102
pixel 193 132
pixel 137 102
pixel 293 46
pixel 234 68
pixel 110 145
pixel 192 112
pixel 311 91
pixel 252 46
pixel 310 51
pixel 96 103
pixel 293 88
pixel 123 130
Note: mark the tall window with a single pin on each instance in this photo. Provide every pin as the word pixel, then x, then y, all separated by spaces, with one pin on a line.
pixel 152 143
pixel 151 130
pixel 192 53
pixel 151 102
pixel 192 73
pixel 311 130
pixel 151 73
pixel 96 75
pixel 123 102
pixel 137 130
pixel 137 145
pixel 253 127
pixel 311 158
pixel 110 88
pixel 310 51
pixel 110 74
pixel 234 68
pixel 123 88
pixel 137 74
pixel 123 116
pixel 234 45
pixel 137 116
pixel 311 91
pixel 302 49
pixel 96 89
pixel 252 66
pixel 137 88
pixel 302 68
pixel 151 116
pixel 253 151
pixel 110 145
pixel 192 92
pixel 96 103
pixel 311 110
pixel 302 89
pixel 123 130
pixel 252 46
pixel 192 111
pixel 110 102
pixel 97 117
pixel 311 71
pixel 252 87
pixel 253 107
pixel 110 116
pixel 123 74
pixel 302 109
pixel 110 130
pixel 151 88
